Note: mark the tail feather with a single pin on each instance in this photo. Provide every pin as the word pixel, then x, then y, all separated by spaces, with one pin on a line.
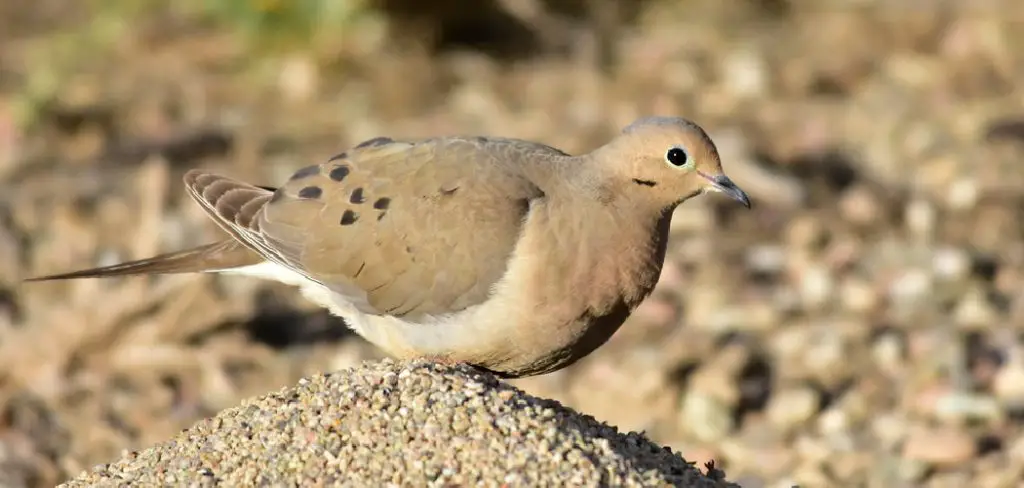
pixel 219 255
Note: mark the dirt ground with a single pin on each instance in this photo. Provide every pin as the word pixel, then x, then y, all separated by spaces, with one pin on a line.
pixel 863 325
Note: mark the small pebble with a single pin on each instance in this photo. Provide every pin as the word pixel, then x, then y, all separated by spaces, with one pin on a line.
pixel 962 194
pixel 766 258
pixel 858 205
pixel 746 73
pixel 951 263
pixel 888 352
pixel 791 407
pixel 890 428
pixel 858 295
pixel 974 310
pixel 705 417
pixel 957 406
pixel 920 217
pixel 1008 385
pixel 910 287
pixel 816 286
pixel 942 447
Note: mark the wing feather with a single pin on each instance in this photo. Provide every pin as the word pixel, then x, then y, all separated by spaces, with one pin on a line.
pixel 231 203
pixel 424 228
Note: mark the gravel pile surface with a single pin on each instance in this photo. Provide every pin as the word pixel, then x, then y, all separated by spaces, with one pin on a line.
pixel 414 424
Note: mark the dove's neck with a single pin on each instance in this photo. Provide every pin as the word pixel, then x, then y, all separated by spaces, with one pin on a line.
pixel 595 178
pixel 578 177
pixel 553 172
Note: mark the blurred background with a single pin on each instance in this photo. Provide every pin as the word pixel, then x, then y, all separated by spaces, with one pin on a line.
pixel 863 325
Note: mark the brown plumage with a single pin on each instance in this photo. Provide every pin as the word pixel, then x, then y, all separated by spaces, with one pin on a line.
pixel 502 253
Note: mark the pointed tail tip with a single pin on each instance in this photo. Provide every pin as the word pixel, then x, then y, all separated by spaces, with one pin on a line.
pixel 150 266
pixel 71 276
pixel 38 279
pixel 219 255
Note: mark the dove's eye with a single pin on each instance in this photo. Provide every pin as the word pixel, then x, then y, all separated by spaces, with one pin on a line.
pixel 677 156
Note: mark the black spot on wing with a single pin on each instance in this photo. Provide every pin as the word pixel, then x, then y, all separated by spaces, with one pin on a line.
pixel 382 203
pixel 339 173
pixel 376 141
pixel 310 192
pixel 339 156
pixel 357 196
pixel 349 217
pixel 306 172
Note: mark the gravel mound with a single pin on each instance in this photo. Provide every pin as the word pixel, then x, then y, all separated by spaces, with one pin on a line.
pixel 417 424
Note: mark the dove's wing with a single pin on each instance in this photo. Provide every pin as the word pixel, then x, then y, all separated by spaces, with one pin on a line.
pixel 421 228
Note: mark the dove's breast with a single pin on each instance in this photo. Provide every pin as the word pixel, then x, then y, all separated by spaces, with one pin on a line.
pixel 553 306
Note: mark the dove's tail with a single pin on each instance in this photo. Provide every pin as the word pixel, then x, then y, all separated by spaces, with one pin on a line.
pixel 220 255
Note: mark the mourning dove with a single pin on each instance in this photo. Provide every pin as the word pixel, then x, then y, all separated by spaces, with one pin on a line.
pixel 505 254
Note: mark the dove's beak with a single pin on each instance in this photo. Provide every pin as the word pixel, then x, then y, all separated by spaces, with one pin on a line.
pixel 723 184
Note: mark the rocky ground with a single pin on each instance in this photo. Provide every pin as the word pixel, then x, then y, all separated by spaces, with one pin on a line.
pixel 402 425
pixel 861 326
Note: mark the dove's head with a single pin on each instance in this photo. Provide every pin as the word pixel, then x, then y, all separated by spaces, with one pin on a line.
pixel 666 160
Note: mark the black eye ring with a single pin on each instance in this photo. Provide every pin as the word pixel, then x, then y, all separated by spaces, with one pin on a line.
pixel 677 156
